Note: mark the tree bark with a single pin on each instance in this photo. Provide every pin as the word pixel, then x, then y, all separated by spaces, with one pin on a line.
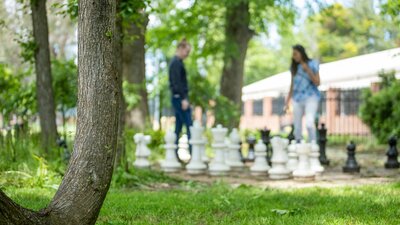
pixel 134 70
pixel 238 35
pixel 44 89
pixel 86 181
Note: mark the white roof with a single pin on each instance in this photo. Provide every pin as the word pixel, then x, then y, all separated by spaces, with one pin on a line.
pixel 355 72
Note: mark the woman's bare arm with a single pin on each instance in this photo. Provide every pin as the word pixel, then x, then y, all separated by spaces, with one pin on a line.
pixel 289 96
pixel 313 76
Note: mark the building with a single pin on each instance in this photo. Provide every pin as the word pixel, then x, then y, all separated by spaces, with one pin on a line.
pixel 341 87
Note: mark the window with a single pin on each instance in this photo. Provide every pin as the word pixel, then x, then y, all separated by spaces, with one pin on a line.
pixel 349 102
pixel 258 107
pixel 242 109
pixel 277 105
pixel 322 104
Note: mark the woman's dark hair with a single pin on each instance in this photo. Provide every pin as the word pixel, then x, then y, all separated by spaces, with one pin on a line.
pixel 304 56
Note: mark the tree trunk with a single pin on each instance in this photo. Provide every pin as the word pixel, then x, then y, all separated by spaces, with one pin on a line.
pixel 87 179
pixel 120 155
pixel 44 89
pixel 238 35
pixel 134 70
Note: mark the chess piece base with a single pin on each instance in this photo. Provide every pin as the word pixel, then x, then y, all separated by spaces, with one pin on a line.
pixel 324 162
pixel 171 167
pixel 196 169
pixel 305 178
pixel 278 174
pixel 392 165
pixel 141 164
pixel 259 173
pixel 351 169
pixel 304 175
pixel 218 169
pixel 170 170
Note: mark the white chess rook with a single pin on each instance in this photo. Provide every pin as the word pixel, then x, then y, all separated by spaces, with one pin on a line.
pixel 293 157
pixel 279 159
pixel 260 166
pixel 315 164
pixel 303 170
pixel 233 149
pixel 196 165
pixel 218 166
pixel 142 151
pixel 170 164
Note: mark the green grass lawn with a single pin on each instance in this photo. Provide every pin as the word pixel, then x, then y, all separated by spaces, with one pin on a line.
pixel 191 203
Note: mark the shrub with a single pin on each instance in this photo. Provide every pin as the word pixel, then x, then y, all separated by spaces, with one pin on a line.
pixel 381 110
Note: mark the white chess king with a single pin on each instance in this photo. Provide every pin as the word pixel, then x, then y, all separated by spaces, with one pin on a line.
pixel 218 166
pixel 293 158
pixel 170 164
pixel 315 164
pixel 196 165
pixel 234 160
pixel 279 159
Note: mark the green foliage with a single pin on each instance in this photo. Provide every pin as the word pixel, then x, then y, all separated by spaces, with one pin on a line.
pixel 381 110
pixel 343 32
pixel 131 96
pixel 19 99
pixel 28 47
pixel 202 90
pixel 131 11
pixel 64 83
pixel 140 178
pixel 392 8
pixel 68 8
pixel 22 165
pixel 226 112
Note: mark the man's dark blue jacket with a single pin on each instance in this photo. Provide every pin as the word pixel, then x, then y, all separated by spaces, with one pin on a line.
pixel 177 78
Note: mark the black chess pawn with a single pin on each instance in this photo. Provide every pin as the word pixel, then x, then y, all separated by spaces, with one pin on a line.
pixel 392 162
pixel 291 136
pixel 240 151
pixel 351 163
pixel 322 140
pixel 265 137
pixel 251 140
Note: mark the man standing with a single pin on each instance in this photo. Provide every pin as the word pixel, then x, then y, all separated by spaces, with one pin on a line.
pixel 179 89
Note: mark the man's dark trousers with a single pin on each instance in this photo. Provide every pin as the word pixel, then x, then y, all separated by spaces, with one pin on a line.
pixel 182 117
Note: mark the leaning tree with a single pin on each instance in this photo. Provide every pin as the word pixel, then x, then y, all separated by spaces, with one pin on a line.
pixel 87 179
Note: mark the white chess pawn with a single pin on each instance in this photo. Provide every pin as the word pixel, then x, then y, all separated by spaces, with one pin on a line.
pixel 218 166
pixel 196 165
pixel 260 166
pixel 233 151
pixel 142 151
pixel 315 164
pixel 279 159
pixel 170 164
pixel 303 170
pixel 183 148
pixel 293 158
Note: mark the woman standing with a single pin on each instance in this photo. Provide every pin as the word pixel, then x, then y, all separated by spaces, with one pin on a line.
pixel 304 91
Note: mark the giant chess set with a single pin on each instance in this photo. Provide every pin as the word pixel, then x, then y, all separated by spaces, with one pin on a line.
pixel 275 157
